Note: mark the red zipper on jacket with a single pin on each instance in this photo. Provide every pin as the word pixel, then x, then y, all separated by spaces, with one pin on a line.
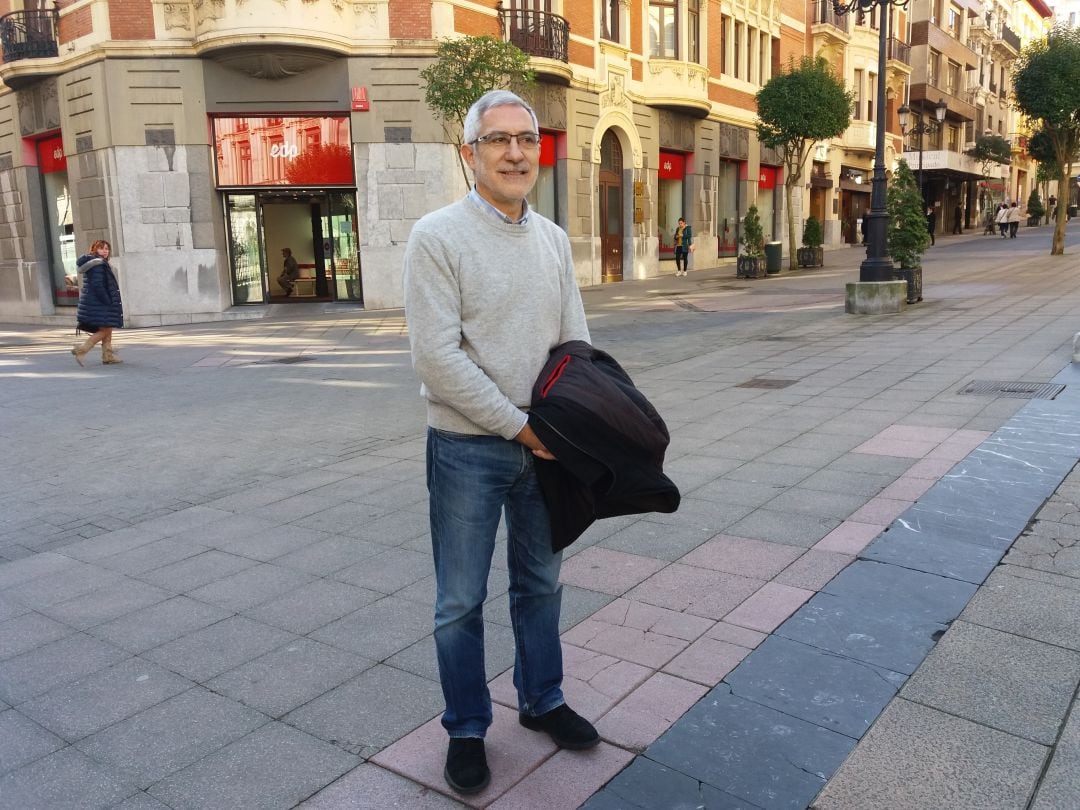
pixel 554 376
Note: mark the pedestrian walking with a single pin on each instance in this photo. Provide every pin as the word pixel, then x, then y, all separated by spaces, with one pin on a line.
pixel 1014 220
pixel 683 246
pixel 100 308
pixel 931 221
pixel 958 220
pixel 1002 219
pixel 864 224
pixel 489 291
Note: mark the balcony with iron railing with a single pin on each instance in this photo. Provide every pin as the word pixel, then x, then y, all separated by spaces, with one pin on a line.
pixel 29 34
pixel 1007 41
pixel 543 36
pixel 828 26
pixel 899 51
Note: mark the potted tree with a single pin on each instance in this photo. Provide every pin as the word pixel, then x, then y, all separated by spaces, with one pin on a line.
pixel 812 254
pixel 908 235
pixel 751 262
pixel 1035 208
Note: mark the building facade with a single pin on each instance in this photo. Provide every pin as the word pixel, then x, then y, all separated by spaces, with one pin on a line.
pixel 202 137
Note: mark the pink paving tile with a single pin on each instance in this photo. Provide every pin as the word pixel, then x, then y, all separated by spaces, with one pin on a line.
pixel 814 569
pixel 850 537
pixel 916 433
pixel 952 451
pixel 767 608
pixel 368 786
pixel 699 591
pixel 566 780
pixel 757 559
pixel 512 753
pixel 632 631
pixel 908 487
pixel 706 661
pixel 592 682
pixel 932 468
pixel 733 634
pixel 607 571
pixel 881 511
pixel 649 711
pixel 900 448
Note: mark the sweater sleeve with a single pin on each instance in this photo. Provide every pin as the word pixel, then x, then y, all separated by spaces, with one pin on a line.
pixel 433 314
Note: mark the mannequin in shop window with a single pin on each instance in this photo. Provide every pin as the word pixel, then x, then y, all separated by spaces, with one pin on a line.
pixel 290 273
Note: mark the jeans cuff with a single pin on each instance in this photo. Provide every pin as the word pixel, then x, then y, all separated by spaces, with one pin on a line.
pixel 466 735
pixel 547 709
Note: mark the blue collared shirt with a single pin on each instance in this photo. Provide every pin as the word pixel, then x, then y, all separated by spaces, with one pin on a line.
pixel 491 210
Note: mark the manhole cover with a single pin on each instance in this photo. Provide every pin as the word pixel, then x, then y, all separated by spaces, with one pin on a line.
pixel 1016 389
pixel 762 382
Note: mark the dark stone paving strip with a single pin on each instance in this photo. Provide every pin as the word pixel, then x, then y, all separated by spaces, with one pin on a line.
pixel 781 723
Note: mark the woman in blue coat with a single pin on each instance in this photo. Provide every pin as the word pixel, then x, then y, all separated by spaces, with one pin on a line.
pixel 100 309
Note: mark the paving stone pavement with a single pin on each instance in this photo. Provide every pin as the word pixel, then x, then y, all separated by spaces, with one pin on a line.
pixel 216 582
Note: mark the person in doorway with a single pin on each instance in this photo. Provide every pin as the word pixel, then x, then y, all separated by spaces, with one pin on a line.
pixel 1052 205
pixel 1002 219
pixel 958 219
pixel 100 308
pixel 289 273
pixel 683 246
pixel 931 221
pixel 489 291
pixel 1014 220
pixel 864 225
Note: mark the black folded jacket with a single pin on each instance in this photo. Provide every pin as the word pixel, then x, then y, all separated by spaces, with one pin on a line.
pixel 608 440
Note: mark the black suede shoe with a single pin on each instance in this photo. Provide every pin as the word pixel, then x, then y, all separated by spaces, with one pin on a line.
pixel 565 726
pixel 466 768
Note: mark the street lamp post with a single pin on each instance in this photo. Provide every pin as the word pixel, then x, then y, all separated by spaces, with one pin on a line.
pixel 922 128
pixel 877 266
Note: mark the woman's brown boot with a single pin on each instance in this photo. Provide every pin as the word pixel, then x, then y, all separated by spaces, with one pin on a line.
pixel 80 350
pixel 108 356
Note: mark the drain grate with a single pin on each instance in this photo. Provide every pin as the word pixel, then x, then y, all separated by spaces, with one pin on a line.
pixel 1015 389
pixel 764 382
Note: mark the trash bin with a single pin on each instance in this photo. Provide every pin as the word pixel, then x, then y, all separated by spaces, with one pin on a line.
pixel 774 256
pixel 1071 211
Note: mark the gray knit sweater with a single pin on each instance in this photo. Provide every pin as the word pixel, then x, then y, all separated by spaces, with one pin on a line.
pixel 485 303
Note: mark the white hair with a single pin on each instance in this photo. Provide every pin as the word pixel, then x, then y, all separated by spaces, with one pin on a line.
pixel 491 99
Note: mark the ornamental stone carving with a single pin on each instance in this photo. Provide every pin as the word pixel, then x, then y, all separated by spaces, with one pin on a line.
pixel 177 16
pixel 615 95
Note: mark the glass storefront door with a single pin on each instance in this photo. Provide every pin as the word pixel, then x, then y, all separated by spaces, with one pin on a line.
pixel 245 249
pixel 320 231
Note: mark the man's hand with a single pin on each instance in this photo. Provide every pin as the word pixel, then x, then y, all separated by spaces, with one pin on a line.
pixel 532 441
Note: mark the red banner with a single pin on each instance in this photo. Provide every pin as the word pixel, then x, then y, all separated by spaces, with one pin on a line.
pixel 285 151
pixel 51 157
pixel 766 178
pixel 547 147
pixel 672 166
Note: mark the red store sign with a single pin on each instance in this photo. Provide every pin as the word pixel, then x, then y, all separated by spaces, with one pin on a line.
pixel 51 157
pixel 283 151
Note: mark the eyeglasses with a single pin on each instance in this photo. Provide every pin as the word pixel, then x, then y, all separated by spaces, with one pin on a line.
pixel 526 141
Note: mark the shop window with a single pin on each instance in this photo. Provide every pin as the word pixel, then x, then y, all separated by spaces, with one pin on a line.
pixel 766 199
pixel 52 163
pixel 727 208
pixel 663 29
pixel 297 151
pixel 669 195
pixel 544 197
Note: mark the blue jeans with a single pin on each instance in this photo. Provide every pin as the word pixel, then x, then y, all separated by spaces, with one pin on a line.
pixel 471 481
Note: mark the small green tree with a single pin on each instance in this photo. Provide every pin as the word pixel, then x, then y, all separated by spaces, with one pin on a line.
pixel 990 151
pixel 1035 208
pixel 796 109
pixel 753 237
pixel 1046 89
pixel 464 69
pixel 812 236
pixel 908 237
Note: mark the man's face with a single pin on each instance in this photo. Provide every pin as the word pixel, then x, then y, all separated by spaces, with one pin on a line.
pixel 504 175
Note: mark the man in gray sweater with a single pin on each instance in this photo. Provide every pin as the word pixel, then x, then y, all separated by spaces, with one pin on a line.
pixel 489 291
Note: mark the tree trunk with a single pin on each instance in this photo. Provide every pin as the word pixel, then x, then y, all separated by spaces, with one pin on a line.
pixel 789 181
pixel 1057 247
